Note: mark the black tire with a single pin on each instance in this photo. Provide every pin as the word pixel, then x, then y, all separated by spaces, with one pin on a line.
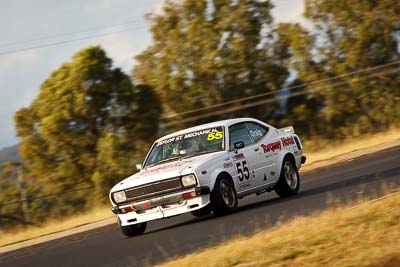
pixel 289 180
pixel 132 230
pixel 223 197
pixel 203 211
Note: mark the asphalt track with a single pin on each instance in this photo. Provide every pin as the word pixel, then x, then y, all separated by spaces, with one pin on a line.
pixel 106 246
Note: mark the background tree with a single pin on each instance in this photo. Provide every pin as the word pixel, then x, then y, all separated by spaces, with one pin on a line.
pixel 354 35
pixel 10 214
pixel 85 127
pixel 89 124
pixel 294 48
pixel 208 52
pixel 114 152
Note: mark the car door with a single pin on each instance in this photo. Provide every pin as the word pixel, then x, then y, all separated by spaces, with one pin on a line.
pixel 263 163
pixel 245 159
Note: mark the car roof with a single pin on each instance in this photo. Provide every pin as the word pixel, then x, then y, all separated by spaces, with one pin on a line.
pixel 225 123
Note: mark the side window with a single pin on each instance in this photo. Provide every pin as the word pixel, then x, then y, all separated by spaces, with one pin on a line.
pixel 256 131
pixel 238 132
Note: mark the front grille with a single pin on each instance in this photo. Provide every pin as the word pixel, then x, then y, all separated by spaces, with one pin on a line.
pixel 154 189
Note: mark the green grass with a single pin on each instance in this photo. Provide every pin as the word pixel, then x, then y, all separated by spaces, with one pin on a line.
pixel 366 234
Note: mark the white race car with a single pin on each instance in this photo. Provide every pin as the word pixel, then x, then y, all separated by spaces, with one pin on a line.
pixel 208 168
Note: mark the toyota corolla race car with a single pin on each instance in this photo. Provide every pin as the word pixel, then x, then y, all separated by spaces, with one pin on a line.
pixel 206 169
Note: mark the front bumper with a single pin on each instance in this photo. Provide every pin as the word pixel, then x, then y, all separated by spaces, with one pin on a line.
pixel 164 206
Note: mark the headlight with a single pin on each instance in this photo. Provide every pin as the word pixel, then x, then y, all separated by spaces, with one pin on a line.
pixel 119 197
pixel 188 180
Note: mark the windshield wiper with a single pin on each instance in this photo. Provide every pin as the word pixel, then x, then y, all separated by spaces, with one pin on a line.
pixel 163 161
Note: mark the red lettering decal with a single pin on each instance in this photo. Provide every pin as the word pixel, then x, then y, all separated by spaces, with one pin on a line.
pixel 271 147
pixel 264 147
pixel 287 141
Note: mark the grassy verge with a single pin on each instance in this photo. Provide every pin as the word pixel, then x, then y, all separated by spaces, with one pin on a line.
pixel 321 150
pixel 54 226
pixel 315 153
pixel 363 235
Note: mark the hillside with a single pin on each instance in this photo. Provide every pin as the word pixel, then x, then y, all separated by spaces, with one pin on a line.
pixel 9 154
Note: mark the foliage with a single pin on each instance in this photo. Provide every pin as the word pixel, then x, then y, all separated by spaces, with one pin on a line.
pixel 90 124
pixel 86 127
pixel 353 35
pixel 208 52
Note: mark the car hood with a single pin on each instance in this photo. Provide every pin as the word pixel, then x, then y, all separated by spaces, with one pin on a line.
pixel 165 171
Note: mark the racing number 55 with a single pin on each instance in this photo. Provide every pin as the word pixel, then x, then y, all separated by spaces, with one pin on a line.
pixel 212 136
pixel 243 170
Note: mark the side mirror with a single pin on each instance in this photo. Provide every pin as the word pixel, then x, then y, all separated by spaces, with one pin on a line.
pixel 139 167
pixel 238 145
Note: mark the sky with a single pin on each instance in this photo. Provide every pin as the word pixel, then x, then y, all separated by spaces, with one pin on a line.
pixel 30 23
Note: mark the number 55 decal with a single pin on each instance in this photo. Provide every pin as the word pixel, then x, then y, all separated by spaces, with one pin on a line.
pixel 212 136
pixel 243 170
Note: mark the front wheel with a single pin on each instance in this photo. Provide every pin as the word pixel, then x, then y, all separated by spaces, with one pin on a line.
pixel 289 180
pixel 132 230
pixel 223 198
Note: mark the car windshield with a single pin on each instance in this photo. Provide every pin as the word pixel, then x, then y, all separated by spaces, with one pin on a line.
pixel 187 145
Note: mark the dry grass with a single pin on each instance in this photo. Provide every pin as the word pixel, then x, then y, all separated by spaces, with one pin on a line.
pixel 54 226
pixel 332 149
pixel 329 151
pixel 364 235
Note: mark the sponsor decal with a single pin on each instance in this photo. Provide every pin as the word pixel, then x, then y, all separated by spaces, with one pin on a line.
pixel 212 134
pixel 244 185
pixel 238 156
pixel 228 165
pixel 287 141
pixel 271 147
pixel 255 133
pixel 167 141
pixel 161 168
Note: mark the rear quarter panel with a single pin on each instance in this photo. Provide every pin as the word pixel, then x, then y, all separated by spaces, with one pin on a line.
pixel 289 146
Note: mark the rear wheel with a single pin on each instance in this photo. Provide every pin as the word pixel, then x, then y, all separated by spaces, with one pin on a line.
pixel 223 198
pixel 132 230
pixel 289 180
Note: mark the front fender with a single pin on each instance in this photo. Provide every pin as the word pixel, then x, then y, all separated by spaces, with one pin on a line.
pixel 214 176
